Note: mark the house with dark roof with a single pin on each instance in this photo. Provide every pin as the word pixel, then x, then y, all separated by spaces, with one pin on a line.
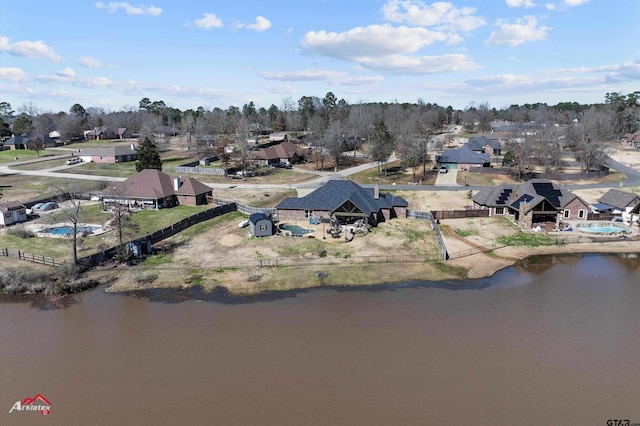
pixel 153 189
pixel 531 203
pixel 620 202
pixel 345 202
pixel 484 145
pixel 110 154
pixel 462 158
pixel 100 133
pixel 20 141
pixel 285 152
pixel 12 212
pixel 190 191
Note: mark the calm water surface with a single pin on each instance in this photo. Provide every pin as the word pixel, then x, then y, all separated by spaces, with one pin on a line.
pixel 555 340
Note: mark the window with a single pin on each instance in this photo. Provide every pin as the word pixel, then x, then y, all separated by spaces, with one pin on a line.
pixel 263 227
pixel 308 214
pixel 499 210
pixel 567 214
pixel 581 214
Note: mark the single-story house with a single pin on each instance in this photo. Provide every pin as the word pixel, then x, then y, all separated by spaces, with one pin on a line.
pixel 343 201
pixel 631 138
pixel 12 212
pixel 100 133
pixel 622 202
pixel 191 192
pixel 153 189
pixel 484 145
pixel 531 203
pixel 462 158
pixel 110 154
pixel 260 225
pixel 285 152
pixel 20 141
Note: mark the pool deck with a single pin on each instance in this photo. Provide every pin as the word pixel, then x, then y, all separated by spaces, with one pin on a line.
pixel 37 229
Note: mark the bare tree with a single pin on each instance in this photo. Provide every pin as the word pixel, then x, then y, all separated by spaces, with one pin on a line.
pixel 68 193
pixel 589 137
pixel 121 220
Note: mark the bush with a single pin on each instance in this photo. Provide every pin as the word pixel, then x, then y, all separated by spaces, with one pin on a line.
pixel 20 232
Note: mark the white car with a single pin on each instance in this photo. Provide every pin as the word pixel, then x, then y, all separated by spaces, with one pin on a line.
pixel 74 160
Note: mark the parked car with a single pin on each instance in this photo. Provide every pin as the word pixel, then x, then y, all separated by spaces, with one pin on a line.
pixel 443 169
pixel 36 206
pixel 282 165
pixel 74 160
pixel 48 206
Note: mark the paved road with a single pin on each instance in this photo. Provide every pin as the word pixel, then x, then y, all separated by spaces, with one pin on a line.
pixel 632 180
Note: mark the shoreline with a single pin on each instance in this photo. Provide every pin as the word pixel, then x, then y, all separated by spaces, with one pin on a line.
pixel 473 267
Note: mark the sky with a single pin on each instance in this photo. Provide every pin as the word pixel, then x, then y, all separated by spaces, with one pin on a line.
pixel 215 53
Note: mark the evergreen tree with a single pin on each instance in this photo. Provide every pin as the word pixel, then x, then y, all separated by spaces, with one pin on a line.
pixel 382 145
pixel 148 156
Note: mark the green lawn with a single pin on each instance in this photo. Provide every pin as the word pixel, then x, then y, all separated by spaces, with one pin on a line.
pixel 9 156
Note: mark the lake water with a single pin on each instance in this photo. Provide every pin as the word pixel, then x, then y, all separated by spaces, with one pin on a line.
pixel 554 340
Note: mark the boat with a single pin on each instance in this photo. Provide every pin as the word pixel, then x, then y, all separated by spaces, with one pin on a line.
pixel 243 224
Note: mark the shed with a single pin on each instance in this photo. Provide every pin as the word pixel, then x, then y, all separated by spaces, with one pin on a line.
pixel 260 225
pixel 12 212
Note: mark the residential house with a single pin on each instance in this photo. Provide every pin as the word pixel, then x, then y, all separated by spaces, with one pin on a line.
pixel 20 141
pixel 191 192
pixel 153 189
pixel 260 225
pixel 484 145
pixel 100 133
pixel 462 158
pixel 12 212
pixel 285 152
pixel 621 202
pixel 345 202
pixel 632 139
pixel 531 203
pixel 110 154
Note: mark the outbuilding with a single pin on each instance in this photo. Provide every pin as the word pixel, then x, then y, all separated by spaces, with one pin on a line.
pixel 260 225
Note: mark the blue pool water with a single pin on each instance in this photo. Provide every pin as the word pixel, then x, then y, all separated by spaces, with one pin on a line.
pixel 294 229
pixel 68 230
pixel 603 229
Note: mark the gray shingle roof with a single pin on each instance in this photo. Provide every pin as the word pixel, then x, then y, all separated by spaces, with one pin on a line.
pixel 463 155
pixel 477 143
pixel 619 199
pixel 532 192
pixel 335 193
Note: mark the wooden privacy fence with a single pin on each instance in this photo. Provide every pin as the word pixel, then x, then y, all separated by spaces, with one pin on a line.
pixel 459 214
pixel 30 257
pixel 97 258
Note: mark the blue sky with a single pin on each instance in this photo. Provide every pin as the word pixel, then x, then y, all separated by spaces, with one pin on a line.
pixel 216 53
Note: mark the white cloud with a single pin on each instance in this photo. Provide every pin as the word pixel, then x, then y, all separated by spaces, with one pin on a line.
pixel 129 9
pixel 551 6
pixel 261 24
pixel 374 40
pixel 209 20
pixel 14 75
pixel 442 15
pixel 521 31
pixel 404 64
pixel 282 89
pixel 90 62
pixel 573 3
pixel 28 49
pixel 520 3
pixel 333 77
pixel 67 73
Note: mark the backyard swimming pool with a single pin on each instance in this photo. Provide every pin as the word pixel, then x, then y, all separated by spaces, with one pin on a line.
pixel 295 229
pixel 603 229
pixel 68 230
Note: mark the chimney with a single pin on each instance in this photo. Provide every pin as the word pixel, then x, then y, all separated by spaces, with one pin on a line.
pixel 376 191
pixel 177 183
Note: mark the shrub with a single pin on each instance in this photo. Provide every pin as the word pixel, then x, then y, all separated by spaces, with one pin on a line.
pixel 20 232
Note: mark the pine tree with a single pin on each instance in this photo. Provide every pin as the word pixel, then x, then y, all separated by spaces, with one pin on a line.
pixel 148 156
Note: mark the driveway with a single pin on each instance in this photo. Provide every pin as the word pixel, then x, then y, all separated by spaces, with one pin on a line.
pixel 447 179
